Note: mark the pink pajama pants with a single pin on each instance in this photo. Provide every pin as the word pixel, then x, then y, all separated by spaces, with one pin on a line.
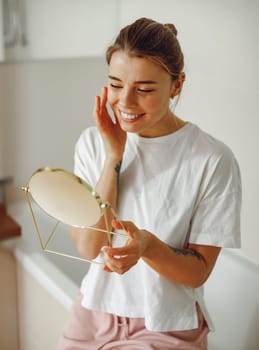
pixel 91 330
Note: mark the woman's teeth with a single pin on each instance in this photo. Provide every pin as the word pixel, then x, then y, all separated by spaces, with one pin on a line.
pixel 130 116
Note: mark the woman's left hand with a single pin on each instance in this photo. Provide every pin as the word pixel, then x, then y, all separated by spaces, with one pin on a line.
pixel 122 259
pixel 189 266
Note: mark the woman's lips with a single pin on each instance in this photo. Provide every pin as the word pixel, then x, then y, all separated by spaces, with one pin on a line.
pixel 130 117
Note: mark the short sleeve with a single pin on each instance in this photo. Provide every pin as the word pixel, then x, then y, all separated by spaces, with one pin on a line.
pixel 87 156
pixel 216 219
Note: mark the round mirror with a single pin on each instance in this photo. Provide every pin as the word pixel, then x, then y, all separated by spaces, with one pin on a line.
pixel 65 197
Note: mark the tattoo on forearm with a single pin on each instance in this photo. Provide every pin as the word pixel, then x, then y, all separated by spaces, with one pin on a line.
pixel 187 252
pixel 117 169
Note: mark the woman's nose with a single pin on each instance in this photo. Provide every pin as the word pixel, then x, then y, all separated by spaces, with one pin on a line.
pixel 127 98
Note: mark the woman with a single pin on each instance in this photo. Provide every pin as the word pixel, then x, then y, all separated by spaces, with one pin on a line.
pixel 177 190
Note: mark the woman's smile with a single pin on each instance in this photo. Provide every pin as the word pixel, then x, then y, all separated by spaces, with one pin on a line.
pixel 130 117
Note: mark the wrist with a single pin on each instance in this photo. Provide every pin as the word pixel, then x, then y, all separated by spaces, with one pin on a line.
pixel 148 242
pixel 113 160
pixel 113 163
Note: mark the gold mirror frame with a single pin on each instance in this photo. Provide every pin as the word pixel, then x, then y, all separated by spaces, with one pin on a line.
pixel 59 193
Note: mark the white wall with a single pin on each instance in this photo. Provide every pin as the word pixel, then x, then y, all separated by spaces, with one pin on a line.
pixel 1 58
pixel 58 28
pixel 1 32
pixel 221 47
pixel 44 105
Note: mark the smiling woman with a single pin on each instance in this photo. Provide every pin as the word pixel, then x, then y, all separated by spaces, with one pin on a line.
pixel 178 193
pixel 139 92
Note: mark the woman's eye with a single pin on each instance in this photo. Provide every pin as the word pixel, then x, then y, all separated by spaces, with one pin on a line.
pixel 145 90
pixel 115 86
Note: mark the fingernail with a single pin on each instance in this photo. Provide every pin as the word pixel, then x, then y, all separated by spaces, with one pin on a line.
pixel 107 269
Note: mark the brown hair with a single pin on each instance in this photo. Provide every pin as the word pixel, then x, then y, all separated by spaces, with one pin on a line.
pixel 148 38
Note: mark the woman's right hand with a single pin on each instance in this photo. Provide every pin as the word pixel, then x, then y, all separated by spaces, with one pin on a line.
pixel 113 136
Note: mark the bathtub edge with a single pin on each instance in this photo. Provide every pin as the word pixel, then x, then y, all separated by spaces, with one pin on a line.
pixel 58 285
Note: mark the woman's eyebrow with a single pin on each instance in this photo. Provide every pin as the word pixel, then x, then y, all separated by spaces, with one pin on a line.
pixel 136 82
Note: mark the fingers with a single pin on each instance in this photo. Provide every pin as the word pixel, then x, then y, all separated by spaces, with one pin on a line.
pixel 100 109
pixel 117 224
pixel 128 227
pixel 121 259
pixel 100 101
pixel 118 263
pixel 97 106
pixel 104 97
pixel 127 250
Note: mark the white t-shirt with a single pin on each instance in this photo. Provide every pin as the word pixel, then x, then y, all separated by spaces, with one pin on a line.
pixel 183 187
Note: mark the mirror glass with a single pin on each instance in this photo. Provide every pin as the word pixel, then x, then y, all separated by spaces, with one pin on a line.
pixel 65 197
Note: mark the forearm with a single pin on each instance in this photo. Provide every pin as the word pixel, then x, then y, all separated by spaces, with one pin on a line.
pixel 89 241
pixel 107 186
pixel 189 267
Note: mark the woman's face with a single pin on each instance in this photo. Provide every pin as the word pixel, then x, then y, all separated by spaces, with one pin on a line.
pixel 139 91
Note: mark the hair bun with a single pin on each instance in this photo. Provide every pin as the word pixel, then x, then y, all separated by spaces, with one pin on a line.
pixel 171 27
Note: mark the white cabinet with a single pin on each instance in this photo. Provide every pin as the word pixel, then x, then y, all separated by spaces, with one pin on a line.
pixel 60 28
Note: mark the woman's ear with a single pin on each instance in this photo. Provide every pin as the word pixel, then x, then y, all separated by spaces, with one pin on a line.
pixel 177 85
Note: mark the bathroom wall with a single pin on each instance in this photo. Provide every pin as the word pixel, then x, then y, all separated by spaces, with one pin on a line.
pixel 44 107
pixel 45 104
pixel 221 92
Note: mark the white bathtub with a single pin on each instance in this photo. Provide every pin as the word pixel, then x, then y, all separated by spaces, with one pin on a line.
pixel 46 284
pixel 56 271
pixel 231 293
